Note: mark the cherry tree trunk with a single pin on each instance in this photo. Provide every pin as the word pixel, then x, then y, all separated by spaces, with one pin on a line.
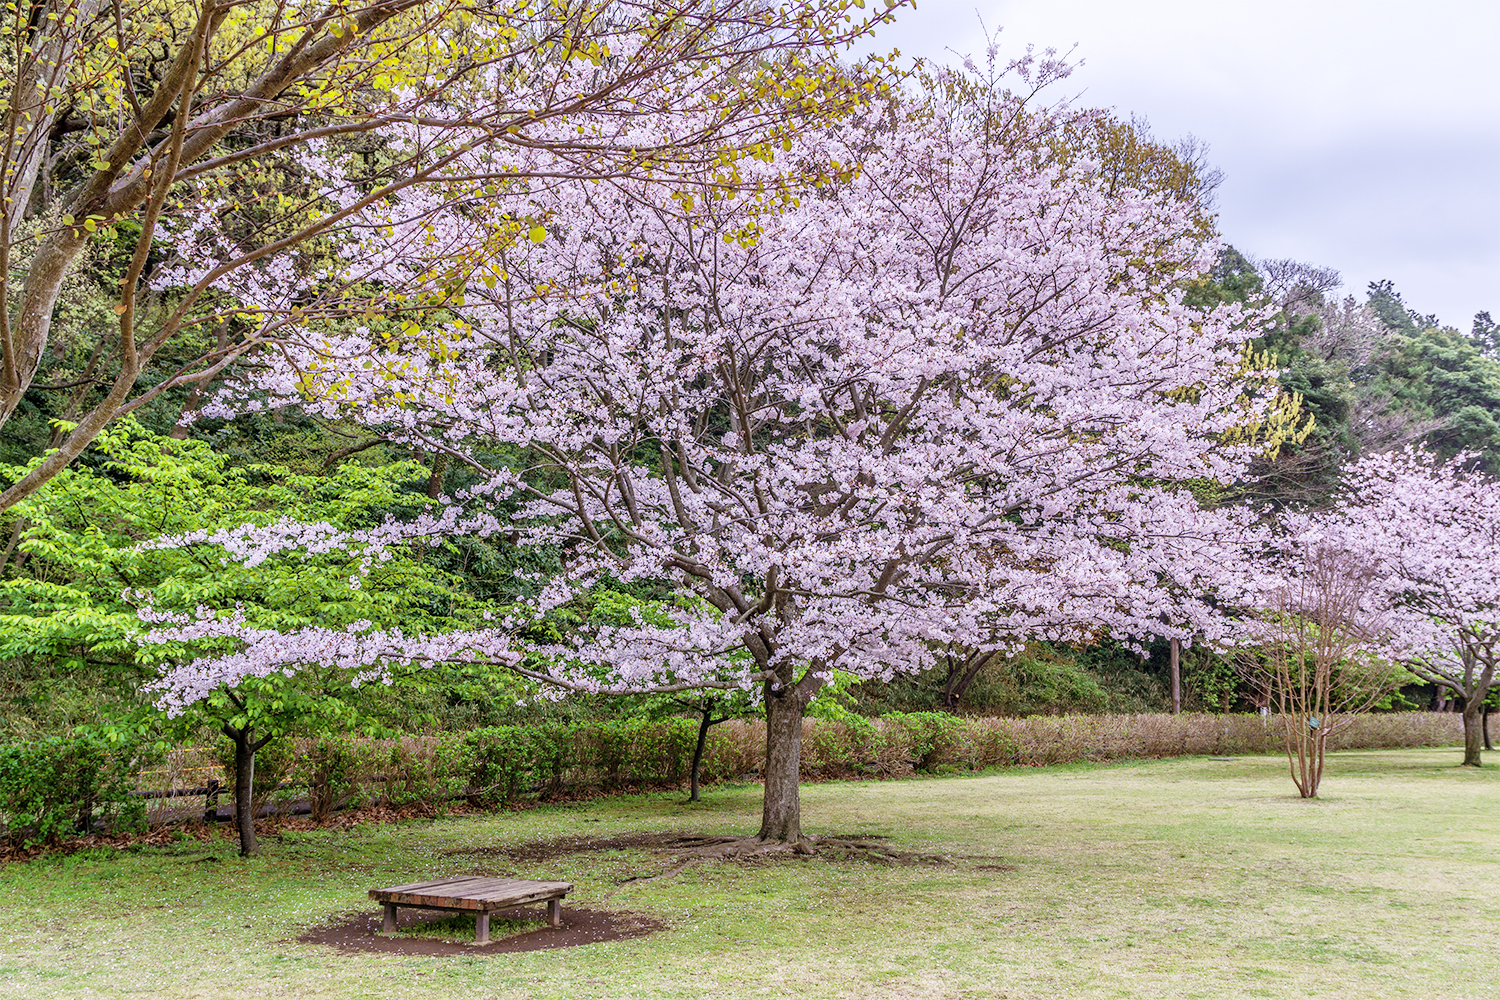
pixel 244 783
pixel 245 748
pixel 1473 731
pixel 781 816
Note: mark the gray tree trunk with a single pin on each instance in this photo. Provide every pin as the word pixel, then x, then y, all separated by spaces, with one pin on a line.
pixel 33 320
pixel 32 112
pixel 1176 658
pixel 1473 731
pixel 703 725
pixel 781 816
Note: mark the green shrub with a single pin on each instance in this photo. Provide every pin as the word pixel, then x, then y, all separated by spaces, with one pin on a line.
pixel 501 761
pixel 336 766
pixel 928 738
pixel 556 754
pixel 850 744
pixel 57 785
pixel 661 750
pixel 610 749
pixel 734 749
pixel 418 769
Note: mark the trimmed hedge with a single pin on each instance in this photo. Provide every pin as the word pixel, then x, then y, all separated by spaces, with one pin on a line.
pixel 49 788
pixel 496 764
pixel 507 763
pixel 901 744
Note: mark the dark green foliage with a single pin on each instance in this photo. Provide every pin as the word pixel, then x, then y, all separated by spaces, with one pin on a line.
pixel 1440 373
pixel 1210 683
pixel 1233 279
pixel 1133 682
pixel 1485 334
pixel 1398 317
pixel 1039 681
pixel 1372 377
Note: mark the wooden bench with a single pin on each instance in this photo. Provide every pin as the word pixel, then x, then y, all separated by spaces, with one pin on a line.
pixel 472 894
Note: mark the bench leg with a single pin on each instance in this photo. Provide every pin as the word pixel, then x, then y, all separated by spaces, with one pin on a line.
pixel 554 913
pixel 481 928
pixel 388 923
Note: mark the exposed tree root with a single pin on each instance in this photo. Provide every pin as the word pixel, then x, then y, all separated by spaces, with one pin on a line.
pixel 870 850
pixel 636 880
pixel 734 847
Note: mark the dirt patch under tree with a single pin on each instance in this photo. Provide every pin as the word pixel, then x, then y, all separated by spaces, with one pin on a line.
pixel 358 932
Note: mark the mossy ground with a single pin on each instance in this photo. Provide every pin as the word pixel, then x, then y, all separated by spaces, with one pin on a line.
pixel 1177 878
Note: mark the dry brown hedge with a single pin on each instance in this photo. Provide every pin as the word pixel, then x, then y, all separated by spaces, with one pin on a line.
pixel 512 763
pixel 899 745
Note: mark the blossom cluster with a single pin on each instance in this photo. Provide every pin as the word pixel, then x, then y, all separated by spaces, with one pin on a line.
pixel 1431 532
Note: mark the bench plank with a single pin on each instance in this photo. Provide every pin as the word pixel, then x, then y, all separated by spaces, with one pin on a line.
pixel 442 883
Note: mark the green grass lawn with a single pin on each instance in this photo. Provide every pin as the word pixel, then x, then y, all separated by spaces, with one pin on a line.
pixel 1179 878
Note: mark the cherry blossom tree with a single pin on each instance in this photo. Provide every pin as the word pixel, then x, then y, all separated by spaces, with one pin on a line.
pixel 1433 529
pixel 949 395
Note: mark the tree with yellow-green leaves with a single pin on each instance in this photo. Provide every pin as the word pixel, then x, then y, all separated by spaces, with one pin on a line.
pixel 120 120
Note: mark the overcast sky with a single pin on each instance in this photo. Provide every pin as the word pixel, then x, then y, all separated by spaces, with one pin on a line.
pixel 1363 136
